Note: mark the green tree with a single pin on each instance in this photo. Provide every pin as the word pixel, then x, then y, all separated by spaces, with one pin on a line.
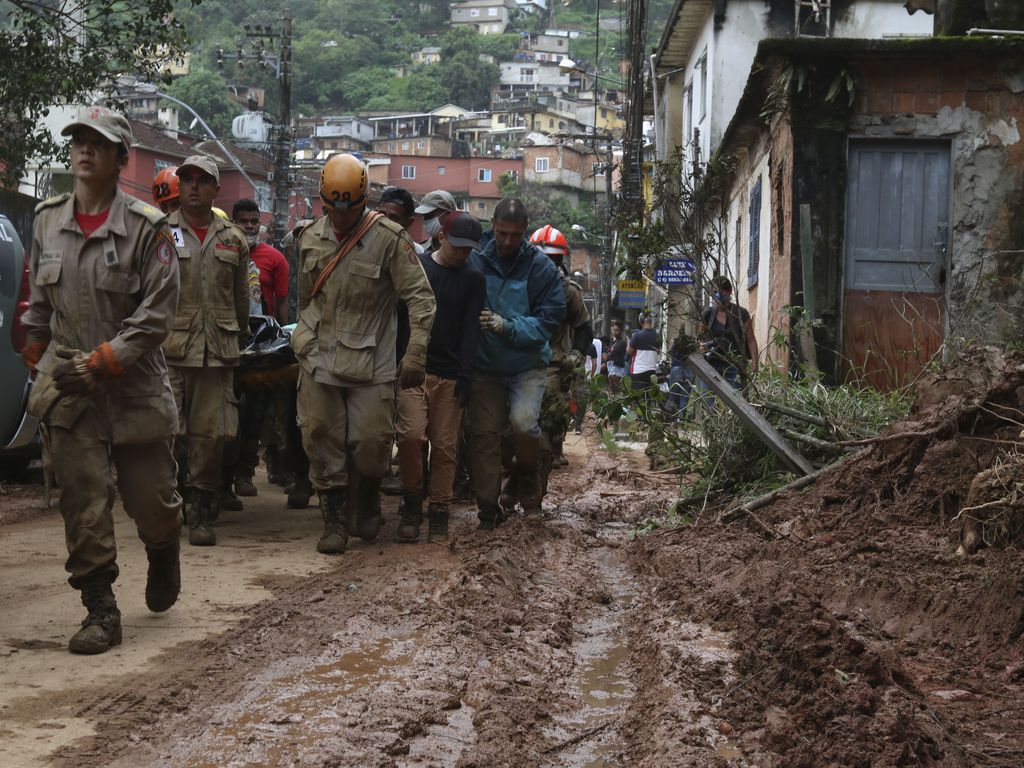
pixel 63 53
pixel 209 96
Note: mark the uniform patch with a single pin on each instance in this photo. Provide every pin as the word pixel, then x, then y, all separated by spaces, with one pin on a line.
pixel 110 257
pixel 164 251
pixel 410 253
pixel 49 257
pixel 228 247
pixel 179 238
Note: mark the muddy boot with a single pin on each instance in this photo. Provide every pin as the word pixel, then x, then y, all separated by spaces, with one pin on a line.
pixel 332 508
pixel 163 582
pixel 101 629
pixel 412 518
pixel 244 486
pixel 366 508
pixel 530 493
pixel 490 516
pixel 509 493
pixel 299 494
pixel 200 534
pixel 437 525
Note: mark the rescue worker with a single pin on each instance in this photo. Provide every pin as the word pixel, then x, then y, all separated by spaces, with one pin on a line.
pixel 166 190
pixel 433 411
pixel 202 349
pixel 569 345
pixel 524 307
pixel 104 286
pixel 354 265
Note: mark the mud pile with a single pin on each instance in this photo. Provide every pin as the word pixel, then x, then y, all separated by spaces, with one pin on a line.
pixel 863 638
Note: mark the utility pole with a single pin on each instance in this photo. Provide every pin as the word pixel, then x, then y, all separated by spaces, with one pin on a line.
pixel 282 161
pixel 281 143
pixel 632 149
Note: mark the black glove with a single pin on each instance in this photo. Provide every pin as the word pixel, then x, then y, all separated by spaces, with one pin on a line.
pixel 463 390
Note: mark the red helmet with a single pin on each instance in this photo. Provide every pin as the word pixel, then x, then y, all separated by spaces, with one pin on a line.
pixel 166 186
pixel 551 241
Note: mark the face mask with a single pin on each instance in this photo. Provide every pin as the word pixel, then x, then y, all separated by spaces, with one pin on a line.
pixel 252 240
pixel 432 226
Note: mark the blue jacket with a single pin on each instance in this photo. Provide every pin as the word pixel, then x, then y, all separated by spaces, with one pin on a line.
pixel 528 293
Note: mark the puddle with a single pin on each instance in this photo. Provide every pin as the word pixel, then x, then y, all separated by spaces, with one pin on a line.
pixel 294 713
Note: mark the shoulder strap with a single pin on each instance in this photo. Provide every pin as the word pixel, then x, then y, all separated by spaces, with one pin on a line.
pixel 343 251
pixel 50 202
pixel 154 215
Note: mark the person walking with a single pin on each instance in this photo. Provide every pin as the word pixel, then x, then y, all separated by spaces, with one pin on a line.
pixel 616 358
pixel 643 348
pixel 432 412
pixel 569 346
pixel 104 286
pixel 203 347
pixel 433 208
pixel 354 266
pixel 523 309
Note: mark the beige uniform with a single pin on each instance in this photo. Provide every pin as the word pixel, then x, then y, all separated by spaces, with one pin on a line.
pixel 345 341
pixel 202 349
pixel 119 286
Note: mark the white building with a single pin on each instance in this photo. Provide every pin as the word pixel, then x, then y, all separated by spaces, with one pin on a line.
pixel 488 17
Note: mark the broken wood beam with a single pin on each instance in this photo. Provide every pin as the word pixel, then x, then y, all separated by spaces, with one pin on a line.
pixel 749 415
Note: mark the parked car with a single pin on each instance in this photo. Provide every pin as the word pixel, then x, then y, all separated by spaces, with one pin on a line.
pixel 19 441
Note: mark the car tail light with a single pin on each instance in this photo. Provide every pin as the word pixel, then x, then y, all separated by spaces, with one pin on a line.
pixel 19 334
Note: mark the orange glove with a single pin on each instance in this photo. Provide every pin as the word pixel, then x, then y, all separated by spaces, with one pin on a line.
pixel 103 363
pixel 33 353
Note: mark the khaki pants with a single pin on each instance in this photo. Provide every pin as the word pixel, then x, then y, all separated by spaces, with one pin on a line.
pixel 554 420
pixel 84 467
pixel 343 424
pixel 429 412
pixel 207 417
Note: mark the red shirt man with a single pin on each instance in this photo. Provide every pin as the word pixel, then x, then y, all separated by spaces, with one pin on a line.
pixel 272 264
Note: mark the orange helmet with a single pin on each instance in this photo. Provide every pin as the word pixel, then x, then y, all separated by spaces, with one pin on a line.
pixel 551 241
pixel 166 186
pixel 343 182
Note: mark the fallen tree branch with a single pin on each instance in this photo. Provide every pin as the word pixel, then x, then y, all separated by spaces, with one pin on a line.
pixel 810 418
pixel 814 442
pixel 796 485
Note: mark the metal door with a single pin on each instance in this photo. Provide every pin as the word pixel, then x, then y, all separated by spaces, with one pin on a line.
pixel 894 274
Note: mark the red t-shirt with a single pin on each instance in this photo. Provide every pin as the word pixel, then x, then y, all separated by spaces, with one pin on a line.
pixel 90 222
pixel 201 233
pixel 273 268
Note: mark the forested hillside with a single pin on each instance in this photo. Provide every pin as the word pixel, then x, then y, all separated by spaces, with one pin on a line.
pixel 353 55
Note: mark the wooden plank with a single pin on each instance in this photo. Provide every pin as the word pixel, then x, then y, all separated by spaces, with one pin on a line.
pixel 749 415
pixel 889 336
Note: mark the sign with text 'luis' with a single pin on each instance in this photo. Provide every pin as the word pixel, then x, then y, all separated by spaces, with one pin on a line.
pixel 632 294
pixel 675 272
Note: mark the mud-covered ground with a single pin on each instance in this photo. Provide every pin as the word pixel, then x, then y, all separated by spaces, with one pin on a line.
pixel 837 629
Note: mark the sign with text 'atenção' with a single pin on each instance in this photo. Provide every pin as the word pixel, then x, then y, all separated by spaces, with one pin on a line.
pixel 632 294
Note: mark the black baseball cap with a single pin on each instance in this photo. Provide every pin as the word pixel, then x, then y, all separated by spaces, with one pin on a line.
pixel 463 230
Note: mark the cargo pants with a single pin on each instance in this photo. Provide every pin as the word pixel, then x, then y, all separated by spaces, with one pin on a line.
pixel 207 418
pixel 345 430
pixel 84 467
pixel 429 412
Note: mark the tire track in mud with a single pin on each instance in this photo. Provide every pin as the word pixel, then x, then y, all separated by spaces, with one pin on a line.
pixel 535 645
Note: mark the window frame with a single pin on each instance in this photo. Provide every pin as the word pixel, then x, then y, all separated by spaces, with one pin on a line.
pixel 537 161
pixel 408 171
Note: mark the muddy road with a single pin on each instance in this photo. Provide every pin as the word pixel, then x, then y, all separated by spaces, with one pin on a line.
pixel 555 641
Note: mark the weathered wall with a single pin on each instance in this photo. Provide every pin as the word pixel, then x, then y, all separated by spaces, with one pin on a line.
pixel 977 103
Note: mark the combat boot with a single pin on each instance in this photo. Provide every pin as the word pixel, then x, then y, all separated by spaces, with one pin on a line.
pixel 101 629
pixel 412 518
pixel 332 509
pixel 437 522
pixel 200 534
pixel 227 501
pixel 490 516
pixel 244 486
pixel 299 493
pixel 163 581
pixel 364 503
